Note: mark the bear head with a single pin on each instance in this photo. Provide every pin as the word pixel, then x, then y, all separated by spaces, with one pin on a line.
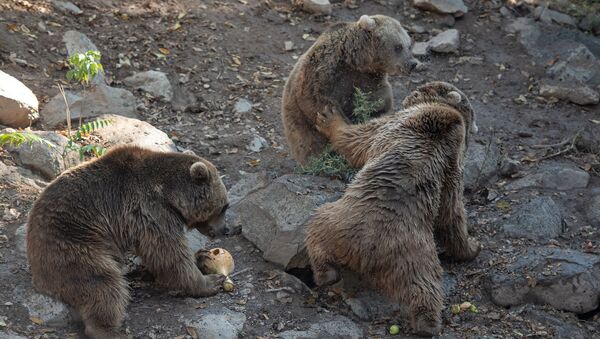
pixel 386 46
pixel 198 194
pixel 445 93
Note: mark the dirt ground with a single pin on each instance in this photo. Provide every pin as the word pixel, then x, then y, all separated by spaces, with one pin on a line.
pixel 227 50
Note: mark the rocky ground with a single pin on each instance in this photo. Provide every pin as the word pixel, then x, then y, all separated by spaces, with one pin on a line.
pixel 207 76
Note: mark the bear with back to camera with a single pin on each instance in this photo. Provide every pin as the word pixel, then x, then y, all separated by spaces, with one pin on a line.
pixel 348 55
pixel 407 195
pixel 135 199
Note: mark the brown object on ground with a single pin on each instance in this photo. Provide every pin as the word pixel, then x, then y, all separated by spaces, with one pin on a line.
pixel 410 189
pixel 348 55
pixel 129 199
pixel 217 261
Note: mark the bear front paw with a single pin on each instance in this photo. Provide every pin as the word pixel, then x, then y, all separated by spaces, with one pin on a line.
pixel 327 277
pixel 213 283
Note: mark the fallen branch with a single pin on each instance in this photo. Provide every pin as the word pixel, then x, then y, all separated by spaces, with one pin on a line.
pixel 284 289
pixel 239 272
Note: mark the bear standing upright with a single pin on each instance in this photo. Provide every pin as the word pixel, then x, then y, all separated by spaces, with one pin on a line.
pixel 88 218
pixel 348 55
pixel 409 191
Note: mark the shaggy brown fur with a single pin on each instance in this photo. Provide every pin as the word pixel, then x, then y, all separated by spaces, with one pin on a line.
pixel 350 54
pixel 409 190
pixel 130 199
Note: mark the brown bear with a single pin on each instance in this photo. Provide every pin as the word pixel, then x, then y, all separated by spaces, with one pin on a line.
pixel 129 199
pixel 408 194
pixel 348 55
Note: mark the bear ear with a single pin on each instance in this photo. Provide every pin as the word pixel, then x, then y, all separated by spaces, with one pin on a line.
pixel 367 23
pixel 199 172
pixel 454 97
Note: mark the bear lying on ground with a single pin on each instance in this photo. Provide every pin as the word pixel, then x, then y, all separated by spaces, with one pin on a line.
pixel 348 55
pixel 129 199
pixel 409 191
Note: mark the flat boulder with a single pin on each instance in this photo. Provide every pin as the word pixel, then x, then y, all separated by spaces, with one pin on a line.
pixel 18 104
pixel 567 280
pixel 125 131
pixel 273 217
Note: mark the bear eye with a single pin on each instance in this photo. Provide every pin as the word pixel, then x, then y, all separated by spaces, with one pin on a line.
pixel 398 48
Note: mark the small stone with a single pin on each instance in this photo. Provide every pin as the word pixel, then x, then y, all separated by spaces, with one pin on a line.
pixel 18 104
pixel 417 29
pixel 420 49
pixel 505 12
pixel 153 82
pixel 577 94
pixel 540 220
pixel 319 7
pixel 548 16
pixel 289 46
pixel 445 42
pixel 256 144
pixel 242 106
pixel 481 165
pixel 67 7
pixel 442 6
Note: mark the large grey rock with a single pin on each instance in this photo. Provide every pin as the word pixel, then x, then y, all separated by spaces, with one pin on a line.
pixel 579 65
pixel 558 177
pixel 153 82
pixel 567 326
pixel 442 6
pixel 222 323
pixel 482 163
pixel 20 178
pixel 540 219
pixel 319 7
pixel 48 160
pixel 565 279
pixel 124 131
pixel 548 16
pixel 274 217
pixel 91 103
pixel 577 53
pixel 67 7
pixel 336 327
pixel 577 94
pixel 445 42
pixel 18 104
pixel 77 42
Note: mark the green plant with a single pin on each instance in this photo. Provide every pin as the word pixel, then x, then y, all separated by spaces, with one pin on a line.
pixel 81 136
pixel 84 67
pixel 328 163
pixel 364 107
pixel 19 138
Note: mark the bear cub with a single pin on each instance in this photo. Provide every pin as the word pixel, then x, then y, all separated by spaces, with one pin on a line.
pixel 408 194
pixel 348 55
pixel 134 199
